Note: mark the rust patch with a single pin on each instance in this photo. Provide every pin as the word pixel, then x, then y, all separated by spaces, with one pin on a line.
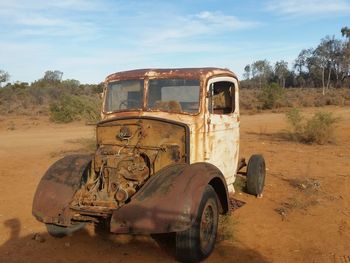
pixel 57 187
pixel 188 73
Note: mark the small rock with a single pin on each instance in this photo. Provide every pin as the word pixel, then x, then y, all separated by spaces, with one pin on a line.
pixel 67 244
pixel 38 237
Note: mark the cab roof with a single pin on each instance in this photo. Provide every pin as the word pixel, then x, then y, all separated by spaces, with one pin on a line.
pixel 187 73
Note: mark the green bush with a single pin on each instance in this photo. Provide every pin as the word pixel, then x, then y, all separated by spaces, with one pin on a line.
pixel 295 120
pixel 318 129
pixel 70 108
pixel 271 96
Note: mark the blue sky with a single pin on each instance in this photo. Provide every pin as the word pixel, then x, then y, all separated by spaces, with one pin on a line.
pixel 89 39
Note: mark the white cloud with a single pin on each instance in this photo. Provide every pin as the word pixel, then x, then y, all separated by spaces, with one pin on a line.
pixel 71 36
pixel 310 7
pixel 204 24
pixel 221 21
pixel 39 21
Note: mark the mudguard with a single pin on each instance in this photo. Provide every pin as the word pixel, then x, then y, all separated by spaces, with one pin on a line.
pixel 57 187
pixel 169 201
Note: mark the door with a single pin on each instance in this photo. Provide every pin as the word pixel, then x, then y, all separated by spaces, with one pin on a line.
pixel 222 126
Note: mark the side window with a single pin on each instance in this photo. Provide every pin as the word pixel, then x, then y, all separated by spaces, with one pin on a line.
pixel 222 99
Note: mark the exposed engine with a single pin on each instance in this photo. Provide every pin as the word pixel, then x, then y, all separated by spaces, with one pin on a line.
pixel 116 174
pixel 129 153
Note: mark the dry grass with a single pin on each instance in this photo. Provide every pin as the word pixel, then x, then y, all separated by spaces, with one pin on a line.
pixel 251 103
pixel 295 204
pixel 317 129
pixel 308 185
pixel 226 228
pixel 240 184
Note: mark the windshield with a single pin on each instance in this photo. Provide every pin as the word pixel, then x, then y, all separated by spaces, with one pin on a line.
pixel 124 95
pixel 174 95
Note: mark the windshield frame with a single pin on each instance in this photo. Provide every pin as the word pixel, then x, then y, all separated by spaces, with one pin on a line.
pixel 145 96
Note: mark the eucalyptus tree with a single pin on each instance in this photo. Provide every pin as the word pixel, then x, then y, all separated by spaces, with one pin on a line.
pixel 53 76
pixel 281 71
pixel 262 71
pixel 247 71
pixel 4 76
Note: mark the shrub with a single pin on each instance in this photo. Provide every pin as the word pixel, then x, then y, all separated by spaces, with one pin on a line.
pixel 271 96
pixel 295 119
pixel 70 108
pixel 318 129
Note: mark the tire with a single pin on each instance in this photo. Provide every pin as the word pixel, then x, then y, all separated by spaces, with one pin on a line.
pixel 256 172
pixel 197 242
pixel 61 231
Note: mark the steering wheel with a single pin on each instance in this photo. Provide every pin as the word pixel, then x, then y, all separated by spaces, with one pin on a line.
pixel 125 103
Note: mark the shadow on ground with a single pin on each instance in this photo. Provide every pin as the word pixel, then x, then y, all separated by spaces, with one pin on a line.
pixel 86 246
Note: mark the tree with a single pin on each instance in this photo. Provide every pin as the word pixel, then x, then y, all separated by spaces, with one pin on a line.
pixel 299 65
pixel 281 71
pixel 53 76
pixel 345 58
pixel 4 76
pixel 345 31
pixel 261 70
pixel 328 53
pixel 247 71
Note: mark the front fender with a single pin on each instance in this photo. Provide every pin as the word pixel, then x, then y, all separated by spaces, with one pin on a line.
pixel 169 201
pixel 57 187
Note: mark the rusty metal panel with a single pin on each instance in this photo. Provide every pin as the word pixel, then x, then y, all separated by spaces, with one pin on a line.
pixel 168 73
pixel 57 187
pixel 163 141
pixel 168 202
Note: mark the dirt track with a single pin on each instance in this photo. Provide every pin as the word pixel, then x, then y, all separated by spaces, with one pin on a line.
pixel 304 215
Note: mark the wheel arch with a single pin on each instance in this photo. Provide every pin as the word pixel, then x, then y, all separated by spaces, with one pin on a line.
pixel 221 191
pixel 169 201
pixel 57 187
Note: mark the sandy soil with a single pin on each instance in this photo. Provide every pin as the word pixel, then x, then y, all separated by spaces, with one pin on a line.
pixel 304 215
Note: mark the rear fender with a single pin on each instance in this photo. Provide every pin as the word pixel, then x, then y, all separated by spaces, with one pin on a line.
pixel 57 187
pixel 169 201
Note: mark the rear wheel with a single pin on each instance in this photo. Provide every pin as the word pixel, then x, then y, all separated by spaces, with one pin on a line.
pixel 256 172
pixel 62 231
pixel 197 242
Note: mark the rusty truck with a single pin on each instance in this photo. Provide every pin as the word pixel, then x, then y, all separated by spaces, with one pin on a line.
pixel 166 160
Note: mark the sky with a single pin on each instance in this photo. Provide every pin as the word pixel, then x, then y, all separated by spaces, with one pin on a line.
pixel 90 39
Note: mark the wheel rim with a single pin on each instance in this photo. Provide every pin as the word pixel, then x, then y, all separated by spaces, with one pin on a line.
pixel 207 226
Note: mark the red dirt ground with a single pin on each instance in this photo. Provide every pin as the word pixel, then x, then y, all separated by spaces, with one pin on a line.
pixel 304 215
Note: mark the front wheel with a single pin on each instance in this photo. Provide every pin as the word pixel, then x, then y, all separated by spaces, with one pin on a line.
pixel 62 231
pixel 197 242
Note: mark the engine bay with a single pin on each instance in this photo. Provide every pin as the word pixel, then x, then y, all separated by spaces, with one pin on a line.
pixel 128 154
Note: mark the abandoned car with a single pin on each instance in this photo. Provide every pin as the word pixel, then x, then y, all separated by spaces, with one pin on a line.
pixel 166 160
